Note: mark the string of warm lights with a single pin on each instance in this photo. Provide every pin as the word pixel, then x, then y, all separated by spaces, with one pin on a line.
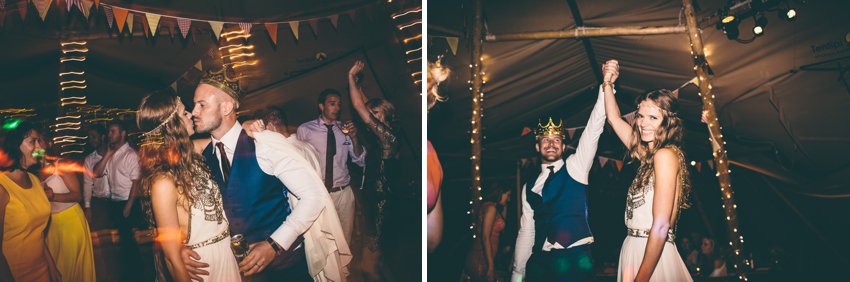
pixel 236 51
pixel 412 42
pixel 71 83
pixel 477 89
pixel 703 71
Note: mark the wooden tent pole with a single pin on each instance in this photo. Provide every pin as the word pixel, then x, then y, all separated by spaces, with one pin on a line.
pixel 584 32
pixel 703 72
pixel 477 108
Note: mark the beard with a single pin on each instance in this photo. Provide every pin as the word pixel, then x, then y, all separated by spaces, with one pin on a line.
pixel 205 127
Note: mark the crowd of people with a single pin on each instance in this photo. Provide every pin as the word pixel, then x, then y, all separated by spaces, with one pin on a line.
pixel 200 195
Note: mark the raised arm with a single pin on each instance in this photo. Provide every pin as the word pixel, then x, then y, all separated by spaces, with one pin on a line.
pixel 663 202
pixel 358 99
pixel 100 166
pixel 169 235
pixel 624 131
pixel 579 164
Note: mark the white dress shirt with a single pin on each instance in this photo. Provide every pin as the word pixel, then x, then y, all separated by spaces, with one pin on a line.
pixel 121 171
pixel 93 186
pixel 578 167
pixel 316 133
pixel 294 172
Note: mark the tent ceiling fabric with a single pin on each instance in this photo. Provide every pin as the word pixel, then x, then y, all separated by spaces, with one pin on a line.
pixel 775 116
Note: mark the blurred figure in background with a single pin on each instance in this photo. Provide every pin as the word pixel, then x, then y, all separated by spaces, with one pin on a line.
pixel 480 263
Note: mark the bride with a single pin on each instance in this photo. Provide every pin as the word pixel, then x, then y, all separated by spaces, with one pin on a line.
pixel 660 188
pixel 186 201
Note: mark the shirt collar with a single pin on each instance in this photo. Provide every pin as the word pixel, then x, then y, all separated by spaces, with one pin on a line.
pixel 321 123
pixel 231 137
pixel 558 164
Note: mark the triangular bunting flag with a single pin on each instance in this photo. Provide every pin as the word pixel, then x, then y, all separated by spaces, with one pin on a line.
pixel 109 16
pixel 619 164
pixel 314 26
pixel 85 8
pixel 711 164
pixel 153 22
pixel 22 9
pixel 525 131
pixel 334 20
pixel 571 132
pixel 174 86
pixel 42 6
pixel 272 29
pixel 199 65
pixel 294 27
pixel 246 27
pixel 130 23
pixel 603 161
pixel 183 25
pixel 216 28
pixel 699 167
pixel 452 44
pixel 630 117
pixel 120 17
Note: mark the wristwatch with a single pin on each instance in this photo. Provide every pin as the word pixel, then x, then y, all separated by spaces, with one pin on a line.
pixel 277 248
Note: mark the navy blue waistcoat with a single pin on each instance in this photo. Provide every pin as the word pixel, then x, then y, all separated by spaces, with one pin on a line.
pixel 560 213
pixel 255 203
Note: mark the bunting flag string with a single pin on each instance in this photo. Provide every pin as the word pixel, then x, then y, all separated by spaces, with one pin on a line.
pixel 122 15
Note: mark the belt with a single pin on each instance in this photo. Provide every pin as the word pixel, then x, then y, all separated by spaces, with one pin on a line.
pixel 338 188
pixel 642 233
pixel 221 236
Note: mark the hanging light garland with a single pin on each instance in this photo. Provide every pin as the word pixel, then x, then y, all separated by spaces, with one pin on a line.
pixel 703 72
pixel 477 89
pixel 237 51
pixel 71 85
pixel 405 21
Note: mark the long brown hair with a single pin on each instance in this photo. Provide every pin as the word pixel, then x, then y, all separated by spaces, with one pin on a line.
pixel 166 150
pixel 668 134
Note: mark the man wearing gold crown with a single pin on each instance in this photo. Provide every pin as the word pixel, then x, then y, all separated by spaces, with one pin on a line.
pixel 554 238
pixel 257 178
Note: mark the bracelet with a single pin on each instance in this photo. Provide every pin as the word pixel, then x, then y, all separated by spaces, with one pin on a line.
pixel 277 248
pixel 607 83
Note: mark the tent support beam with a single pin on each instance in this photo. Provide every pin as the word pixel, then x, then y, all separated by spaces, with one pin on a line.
pixel 477 76
pixel 588 49
pixel 703 72
pixel 586 32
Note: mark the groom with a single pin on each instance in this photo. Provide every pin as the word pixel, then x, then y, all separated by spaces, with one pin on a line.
pixel 554 238
pixel 254 182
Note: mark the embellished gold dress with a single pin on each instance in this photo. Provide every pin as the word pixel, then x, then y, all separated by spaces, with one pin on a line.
pixel 207 231
pixel 638 218
pixel 388 170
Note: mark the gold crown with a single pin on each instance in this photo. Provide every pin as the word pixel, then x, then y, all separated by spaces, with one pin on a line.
pixel 550 129
pixel 222 80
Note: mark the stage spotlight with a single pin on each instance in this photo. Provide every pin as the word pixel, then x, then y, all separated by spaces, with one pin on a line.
pixel 760 23
pixel 788 14
pixel 730 29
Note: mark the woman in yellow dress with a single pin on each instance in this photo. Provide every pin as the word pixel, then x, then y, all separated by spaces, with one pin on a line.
pixel 68 237
pixel 24 211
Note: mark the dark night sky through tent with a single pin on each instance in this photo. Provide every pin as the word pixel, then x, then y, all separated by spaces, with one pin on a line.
pixel 782 102
pixel 123 67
